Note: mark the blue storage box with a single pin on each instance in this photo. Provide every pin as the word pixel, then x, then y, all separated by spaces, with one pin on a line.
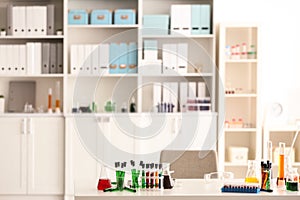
pixel 124 16
pixel 114 58
pixel 132 58
pixel 101 17
pixel 78 17
pixel 156 24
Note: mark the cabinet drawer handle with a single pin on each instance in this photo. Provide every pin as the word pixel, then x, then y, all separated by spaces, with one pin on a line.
pixel 122 66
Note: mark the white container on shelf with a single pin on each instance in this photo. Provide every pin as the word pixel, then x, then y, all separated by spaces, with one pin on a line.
pixel 2 104
pixel 238 155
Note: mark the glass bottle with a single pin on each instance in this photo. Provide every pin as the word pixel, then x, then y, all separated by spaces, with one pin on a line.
pixel 280 178
pixel 253 172
pixel 292 179
pixel 104 181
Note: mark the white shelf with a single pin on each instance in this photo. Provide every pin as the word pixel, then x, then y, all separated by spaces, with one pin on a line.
pixel 230 164
pixel 240 129
pixel 242 61
pixel 103 76
pixel 282 128
pixel 241 95
pixel 178 36
pixel 32 75
pixel 31 115
pixel 180 75
pixel 104 26
pixel 8 37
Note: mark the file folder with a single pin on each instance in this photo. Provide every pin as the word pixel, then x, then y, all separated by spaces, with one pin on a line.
pixel 182 58
pixel 87 59
pixel 50 19
pixel 45 58
pixel 22 59
pixel 205 19
pixel 9 19
pixel 19 20
pixel 38 57
pixel 150 50
pixel 181 19
pixel 196 20
pixel 74 59
pixel 132 57
pixel 95 60
pixel 40 20
pixel 10 59
pixel 29 20
pixel 201 90
pixel 30 57
pixel 81 58
pixel 192 90
pixel 156 95
pixel 104 58
pixel 3 59
pixel 15 59
pixel 174 95
pixel 183 96
pixel 169 58
pixel 166 92
pixel 59 58
pixel 113 58
pixel 123 61
pixel 53 67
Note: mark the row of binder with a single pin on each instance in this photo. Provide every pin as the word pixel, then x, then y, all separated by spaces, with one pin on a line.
pixel 32 58
pixel 173 92
pixel 174 58
pixel 191 19
pixel 102 59
pixel 30 20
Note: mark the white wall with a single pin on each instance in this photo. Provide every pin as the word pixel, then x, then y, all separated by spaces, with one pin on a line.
pixel 280 46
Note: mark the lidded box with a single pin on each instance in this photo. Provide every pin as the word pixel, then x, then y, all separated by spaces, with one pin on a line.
pixel 101 17
pixel 78 17
pixel 124 16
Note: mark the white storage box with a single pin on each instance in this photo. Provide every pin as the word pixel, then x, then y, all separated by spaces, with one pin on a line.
pixel 152 67
pixel 238 154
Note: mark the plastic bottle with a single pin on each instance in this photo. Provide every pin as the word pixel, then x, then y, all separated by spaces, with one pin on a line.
pixel 132 105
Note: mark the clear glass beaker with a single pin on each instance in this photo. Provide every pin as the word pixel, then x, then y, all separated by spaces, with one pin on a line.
pixel 120 175
pixel 253 173
pixel 292 179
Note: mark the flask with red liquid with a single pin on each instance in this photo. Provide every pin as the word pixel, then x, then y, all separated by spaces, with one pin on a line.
pixel 104 181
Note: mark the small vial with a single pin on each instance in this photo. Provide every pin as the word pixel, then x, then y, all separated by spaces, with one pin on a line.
pixel 237 52
pixel 227 52
pixel 57 100
pixel 252 52
pixel 50 100
pixel 233 52
pixel 244 51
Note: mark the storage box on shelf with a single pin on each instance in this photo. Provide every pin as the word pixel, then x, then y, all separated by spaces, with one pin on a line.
pixel 239 76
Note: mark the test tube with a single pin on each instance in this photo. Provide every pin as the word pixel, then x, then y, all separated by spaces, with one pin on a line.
pixel 269 146
pixel 280 178
pixel 57 100
pixel 50 100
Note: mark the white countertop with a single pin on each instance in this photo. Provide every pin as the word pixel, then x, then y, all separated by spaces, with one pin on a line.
pixel 185 189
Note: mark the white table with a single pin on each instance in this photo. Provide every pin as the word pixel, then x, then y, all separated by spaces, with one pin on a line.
pixel 185 189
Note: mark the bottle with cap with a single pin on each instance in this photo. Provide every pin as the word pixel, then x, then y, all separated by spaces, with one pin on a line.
pixel 132 105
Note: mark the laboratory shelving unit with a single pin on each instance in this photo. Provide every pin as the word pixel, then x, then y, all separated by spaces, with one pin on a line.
pixel 32 144
pixel 126 86
pixel 38 141
pixel 239 96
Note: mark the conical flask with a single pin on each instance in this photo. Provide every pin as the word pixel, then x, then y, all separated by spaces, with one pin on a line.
pixel 104 181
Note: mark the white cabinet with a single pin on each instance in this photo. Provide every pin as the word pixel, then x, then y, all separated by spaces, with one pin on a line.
pixel 32 155
pixel 239 96
pixel 13 156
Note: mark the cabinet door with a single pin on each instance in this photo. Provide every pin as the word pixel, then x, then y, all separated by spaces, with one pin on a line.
pixel 45 155
pixel 12 156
